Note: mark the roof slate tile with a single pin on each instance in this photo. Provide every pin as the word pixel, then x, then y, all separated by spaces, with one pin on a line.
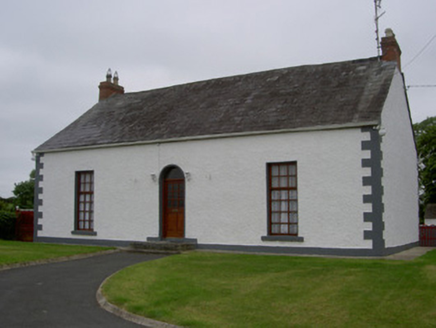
pixel 343 93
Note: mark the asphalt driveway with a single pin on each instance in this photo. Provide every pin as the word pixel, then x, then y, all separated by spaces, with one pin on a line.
pixel 62 294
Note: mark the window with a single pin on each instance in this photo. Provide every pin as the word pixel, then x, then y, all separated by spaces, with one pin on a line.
pixel 85 201
pixel 283 199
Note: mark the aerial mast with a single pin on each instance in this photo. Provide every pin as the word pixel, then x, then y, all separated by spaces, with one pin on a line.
pixel 377 6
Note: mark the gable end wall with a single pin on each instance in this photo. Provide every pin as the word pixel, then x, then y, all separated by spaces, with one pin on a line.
pixel 400 178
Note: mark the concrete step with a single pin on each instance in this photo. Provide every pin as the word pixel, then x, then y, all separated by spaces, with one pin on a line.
pixel 162 247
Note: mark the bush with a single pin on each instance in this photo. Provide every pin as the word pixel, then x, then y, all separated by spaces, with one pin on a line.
pixel 7 225
pixel 7 204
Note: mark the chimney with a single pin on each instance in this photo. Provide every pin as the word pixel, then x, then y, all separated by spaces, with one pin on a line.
pixel 390 49
pixel 108 88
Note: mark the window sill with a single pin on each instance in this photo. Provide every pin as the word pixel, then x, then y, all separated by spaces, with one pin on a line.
pixel 283 238
pixel 84 233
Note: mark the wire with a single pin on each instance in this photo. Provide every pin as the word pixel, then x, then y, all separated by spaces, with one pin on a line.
pixel 420 52
pixel 422 86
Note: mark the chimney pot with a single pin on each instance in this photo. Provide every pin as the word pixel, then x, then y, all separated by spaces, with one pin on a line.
pixel 109 88
pixel 109 75
pixel 389 32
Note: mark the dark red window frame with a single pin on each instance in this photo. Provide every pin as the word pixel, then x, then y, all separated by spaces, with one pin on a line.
pixel 282 199
pixel 85 201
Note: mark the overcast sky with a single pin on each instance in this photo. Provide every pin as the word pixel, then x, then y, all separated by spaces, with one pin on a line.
pixel 53 54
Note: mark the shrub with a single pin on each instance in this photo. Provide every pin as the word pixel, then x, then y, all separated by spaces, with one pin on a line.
pixel 7 225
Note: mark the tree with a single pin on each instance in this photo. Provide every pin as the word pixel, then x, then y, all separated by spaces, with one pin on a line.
pixel 23 192
pixel 7 204
pixel 425 137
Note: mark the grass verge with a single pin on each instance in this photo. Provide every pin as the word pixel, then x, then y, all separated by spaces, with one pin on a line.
pixel 229 290
pixel 14 252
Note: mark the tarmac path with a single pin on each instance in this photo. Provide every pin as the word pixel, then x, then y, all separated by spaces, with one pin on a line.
pixel 62 294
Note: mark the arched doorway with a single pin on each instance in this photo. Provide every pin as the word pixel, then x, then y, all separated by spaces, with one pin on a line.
pixel 173 202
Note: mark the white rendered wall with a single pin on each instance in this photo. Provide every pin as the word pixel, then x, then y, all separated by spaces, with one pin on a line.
pixel 126 199
pixel 227 193
pixel 400 174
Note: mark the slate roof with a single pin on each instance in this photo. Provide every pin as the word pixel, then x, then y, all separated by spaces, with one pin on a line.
pixel 315 96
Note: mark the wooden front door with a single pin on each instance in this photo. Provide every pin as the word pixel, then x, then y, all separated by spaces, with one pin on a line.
pixel 174 208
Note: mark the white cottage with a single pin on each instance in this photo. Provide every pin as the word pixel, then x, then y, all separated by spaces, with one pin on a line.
pixel 315 159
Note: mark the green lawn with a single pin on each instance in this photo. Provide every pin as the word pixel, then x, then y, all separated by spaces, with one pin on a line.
pixel 12 252
pixel 200 289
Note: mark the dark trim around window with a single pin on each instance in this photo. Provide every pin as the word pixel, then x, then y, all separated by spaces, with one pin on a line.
pixel 282 202
pixel 84 204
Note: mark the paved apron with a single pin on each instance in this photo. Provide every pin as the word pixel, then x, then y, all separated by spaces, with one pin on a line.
pixel 62 294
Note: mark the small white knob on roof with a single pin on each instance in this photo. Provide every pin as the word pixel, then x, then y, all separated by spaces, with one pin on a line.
pixel 389 32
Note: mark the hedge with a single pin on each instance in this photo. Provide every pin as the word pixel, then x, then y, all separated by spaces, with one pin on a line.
pixel 7 225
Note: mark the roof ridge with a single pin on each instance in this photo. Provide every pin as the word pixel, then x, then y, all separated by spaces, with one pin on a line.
pixel 352 61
